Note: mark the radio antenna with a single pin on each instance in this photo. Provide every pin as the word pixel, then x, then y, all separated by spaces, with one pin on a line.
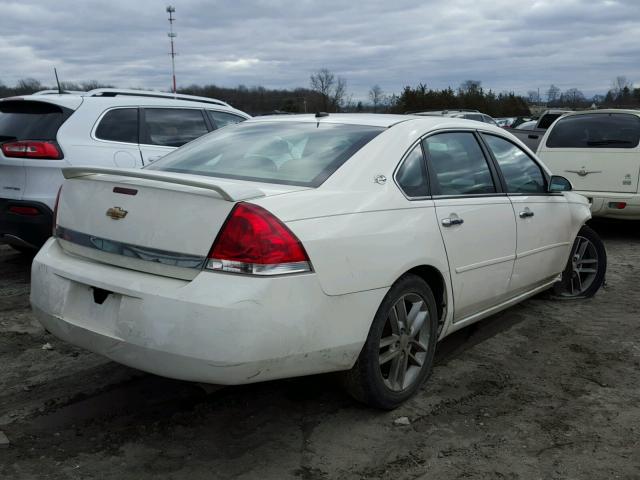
pixel 60 91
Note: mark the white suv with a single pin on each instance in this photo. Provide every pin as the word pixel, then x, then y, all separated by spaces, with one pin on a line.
pixel 599 152
pixel 44 132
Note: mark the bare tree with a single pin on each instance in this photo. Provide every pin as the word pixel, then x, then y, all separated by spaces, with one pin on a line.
pixel 27 86
pixel 471 86
pixel 377 96
pixel 553 94
pixel 332 89
pixel 620 83
pixel 573 97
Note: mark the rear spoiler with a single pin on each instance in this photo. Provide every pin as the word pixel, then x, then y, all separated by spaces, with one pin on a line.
pixel 231 192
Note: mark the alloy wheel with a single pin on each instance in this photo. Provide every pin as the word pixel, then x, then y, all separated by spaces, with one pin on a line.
pixel 584 267
pixel 404 342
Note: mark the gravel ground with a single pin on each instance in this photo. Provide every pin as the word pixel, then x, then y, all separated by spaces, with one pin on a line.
pixel 548 389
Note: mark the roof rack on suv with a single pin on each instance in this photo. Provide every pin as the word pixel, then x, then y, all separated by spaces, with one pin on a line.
pixel 56 92
pixel 114 92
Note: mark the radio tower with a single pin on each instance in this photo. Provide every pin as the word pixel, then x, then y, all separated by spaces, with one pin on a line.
pixel 171 10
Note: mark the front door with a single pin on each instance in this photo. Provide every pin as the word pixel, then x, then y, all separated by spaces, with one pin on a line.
pixel 543 219
pixel 476 221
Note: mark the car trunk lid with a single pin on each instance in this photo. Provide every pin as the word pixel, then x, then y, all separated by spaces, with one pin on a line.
pixel 159 222
pixel 596 170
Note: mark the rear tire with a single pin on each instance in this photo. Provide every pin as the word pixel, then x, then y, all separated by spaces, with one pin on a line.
pixel 586 268
pixel 397 356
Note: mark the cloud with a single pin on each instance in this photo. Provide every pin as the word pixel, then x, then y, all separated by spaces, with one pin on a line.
pixel 508 44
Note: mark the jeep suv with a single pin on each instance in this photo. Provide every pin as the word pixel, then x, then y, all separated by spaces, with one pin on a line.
pixel 44 132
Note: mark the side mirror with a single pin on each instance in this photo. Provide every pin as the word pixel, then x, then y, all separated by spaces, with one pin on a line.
pixel 559 184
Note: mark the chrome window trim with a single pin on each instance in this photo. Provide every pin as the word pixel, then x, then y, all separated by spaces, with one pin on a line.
pixel 163 257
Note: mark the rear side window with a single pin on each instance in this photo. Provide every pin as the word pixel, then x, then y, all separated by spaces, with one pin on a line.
pixel 521 173
pixel 275 152
pixel 459 165
pixel 27 120
pixel 548 119
pixel 119 125
pixel 220 119
pixel 412 174
pixel 596 130
pixel 173 127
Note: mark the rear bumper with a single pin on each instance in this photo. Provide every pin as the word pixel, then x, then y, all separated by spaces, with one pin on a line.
pixel 216 328
pixel 29 231
pixel 605 204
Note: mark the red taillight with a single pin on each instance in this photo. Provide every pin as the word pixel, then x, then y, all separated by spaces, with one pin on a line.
pixel 618 205
pixel 32 149
pixel 29 211
pixel 254 241
pixel 55 212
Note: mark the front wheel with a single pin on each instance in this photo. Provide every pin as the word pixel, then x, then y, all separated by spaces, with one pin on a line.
pixel 398 354
pixel 586 268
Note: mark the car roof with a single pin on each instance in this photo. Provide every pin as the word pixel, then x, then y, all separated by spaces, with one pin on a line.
pixel 606 110
pixel 368 119
pixel 425 122
pixel 119 97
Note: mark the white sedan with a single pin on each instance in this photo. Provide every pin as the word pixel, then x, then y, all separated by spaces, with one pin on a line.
pixel 286 246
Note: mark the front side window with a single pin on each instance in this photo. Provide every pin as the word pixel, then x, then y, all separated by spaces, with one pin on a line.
pixel 458 163
pixel 596 130
pixel 521 173
pixel 221 119
pixel 173 127
pixel 412 174
pixel 119 125
pixel 275 152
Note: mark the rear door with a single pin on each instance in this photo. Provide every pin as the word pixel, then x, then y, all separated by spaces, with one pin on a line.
pixel 597 152
pixel 25 120
pixel 165 129
pixel 543 220
pixel 476 221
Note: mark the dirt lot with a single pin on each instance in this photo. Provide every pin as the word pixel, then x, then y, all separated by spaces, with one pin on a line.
pixel 548 389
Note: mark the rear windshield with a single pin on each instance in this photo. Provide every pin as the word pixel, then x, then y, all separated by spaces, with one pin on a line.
pixel 25 120
pixel 275 152
pixel 596 130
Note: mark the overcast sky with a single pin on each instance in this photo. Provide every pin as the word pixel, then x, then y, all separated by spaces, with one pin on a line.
pixel 515 45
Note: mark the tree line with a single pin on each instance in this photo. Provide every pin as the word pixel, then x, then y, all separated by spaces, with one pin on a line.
pixel 328 92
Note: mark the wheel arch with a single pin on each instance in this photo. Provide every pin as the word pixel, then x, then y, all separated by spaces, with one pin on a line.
pixel 435 280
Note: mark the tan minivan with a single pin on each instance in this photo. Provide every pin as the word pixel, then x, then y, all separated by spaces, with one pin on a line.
pixel 599 152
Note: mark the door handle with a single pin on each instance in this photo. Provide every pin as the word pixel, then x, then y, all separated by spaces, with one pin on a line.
pixel 451 221
pixel 526 213
pixel 533 137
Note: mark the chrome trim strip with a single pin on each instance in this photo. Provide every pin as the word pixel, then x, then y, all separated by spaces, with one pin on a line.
pixel 154 255
pixel 541 249
pixel 485 263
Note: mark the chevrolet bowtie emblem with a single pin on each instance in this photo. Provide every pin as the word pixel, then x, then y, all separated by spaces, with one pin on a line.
pixel 116 213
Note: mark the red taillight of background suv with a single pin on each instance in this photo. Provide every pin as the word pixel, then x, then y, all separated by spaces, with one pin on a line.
pixel 32 149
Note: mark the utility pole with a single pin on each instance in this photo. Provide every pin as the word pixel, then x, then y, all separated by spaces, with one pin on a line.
pixel 171 10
